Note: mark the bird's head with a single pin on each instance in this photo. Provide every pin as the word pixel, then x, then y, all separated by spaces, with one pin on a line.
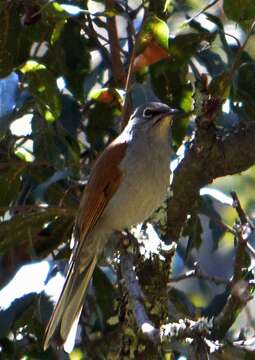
pixel 153 117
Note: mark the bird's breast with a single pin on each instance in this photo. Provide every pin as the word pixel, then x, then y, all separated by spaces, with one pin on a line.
pixel 143 186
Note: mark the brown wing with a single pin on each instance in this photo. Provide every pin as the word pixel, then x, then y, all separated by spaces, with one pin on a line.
pixel 103 182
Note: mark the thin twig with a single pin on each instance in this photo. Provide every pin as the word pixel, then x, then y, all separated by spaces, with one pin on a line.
pixel 198 273
pixel 34 207
pixel 89 29
pixel 244 218
pixel 208 6
pixel 239 295
pixel 127 108
pixel 118 70
pixel 128 103
pixel 251 249
pixel 240 51
pixel 238 207
pixel 233 37
pixel 247 228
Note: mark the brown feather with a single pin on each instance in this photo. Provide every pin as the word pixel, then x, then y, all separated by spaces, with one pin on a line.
pixel 103 183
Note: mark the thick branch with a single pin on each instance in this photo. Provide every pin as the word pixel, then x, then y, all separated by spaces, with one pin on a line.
pixel 208 157
pixel 238 298
pixel 136 295
pixel 172 331
pixel 185 329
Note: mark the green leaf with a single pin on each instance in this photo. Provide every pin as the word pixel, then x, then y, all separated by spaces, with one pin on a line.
pixel 212 61
pixel 57 31
pixel 10 181
pixel 53 12
pixel 43 187
pixel 244 86
pixel 20 292
pixel 16 38
pixel 95 76
pixel 169 82
pixel 11 53
pixel 154 29
pixel 220 85
pixel 171 86
pixel 218 22
pixel 24 226
pixel 100 123
pixel 43 87
pixel 107 95
pixel 69 56
pixel 206 207
pixel 11 314
pixel 241 11
pixel 216 305
pixel 186 44
pixel 169 6
pixel 105 292
pixel 70 118
pixel 193 230
pixel 53 144
pixel 183 307
pixel 110 13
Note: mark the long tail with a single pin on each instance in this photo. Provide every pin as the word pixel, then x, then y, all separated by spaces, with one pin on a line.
pixel 63 323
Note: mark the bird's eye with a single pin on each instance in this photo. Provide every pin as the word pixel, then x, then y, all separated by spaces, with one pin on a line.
pixel 147 113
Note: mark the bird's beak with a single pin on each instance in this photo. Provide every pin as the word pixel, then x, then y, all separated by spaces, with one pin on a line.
pixel 172 115
pixel 177 114
pixel 180 114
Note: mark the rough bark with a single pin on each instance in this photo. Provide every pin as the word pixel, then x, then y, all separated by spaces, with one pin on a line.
pixel 209 156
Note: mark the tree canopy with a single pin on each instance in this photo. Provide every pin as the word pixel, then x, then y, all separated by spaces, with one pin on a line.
pixel 180 285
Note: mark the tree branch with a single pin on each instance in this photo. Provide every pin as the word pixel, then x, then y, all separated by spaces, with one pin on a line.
pixel 199 274
pixel 127 109
pixel 136 295
pixel 89 29
pixel 185 329
pixel 239 295
pixel 172 331
pixel 118 70
pixel 209 156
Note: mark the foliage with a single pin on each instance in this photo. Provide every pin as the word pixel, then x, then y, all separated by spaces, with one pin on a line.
pixel 65 93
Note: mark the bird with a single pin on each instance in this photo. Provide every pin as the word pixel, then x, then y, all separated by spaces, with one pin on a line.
pixel 128 182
